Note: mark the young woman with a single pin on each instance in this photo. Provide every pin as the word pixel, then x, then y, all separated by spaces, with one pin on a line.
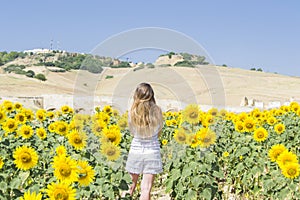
pixel 145 122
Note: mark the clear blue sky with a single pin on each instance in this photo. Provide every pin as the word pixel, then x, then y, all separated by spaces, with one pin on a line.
pixel 242 34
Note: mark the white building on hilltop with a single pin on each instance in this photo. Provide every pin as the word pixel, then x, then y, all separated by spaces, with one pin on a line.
pixel 38 51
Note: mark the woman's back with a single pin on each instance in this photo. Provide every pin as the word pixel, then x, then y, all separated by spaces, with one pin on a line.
pixel 145 122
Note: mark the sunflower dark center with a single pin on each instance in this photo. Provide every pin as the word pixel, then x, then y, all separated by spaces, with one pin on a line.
pixel 78 140
pixel 291 171
pixel 181 137
pixel 249 125
pixel 21 118
pixel 11 125
pixel 111 152
pixel 260 135
pixel 25 157
pixel 193 115
pixel 65 170
pixel 62 128
pixel 61 194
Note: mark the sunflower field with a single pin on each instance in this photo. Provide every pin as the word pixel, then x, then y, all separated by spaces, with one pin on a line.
pixel 63 155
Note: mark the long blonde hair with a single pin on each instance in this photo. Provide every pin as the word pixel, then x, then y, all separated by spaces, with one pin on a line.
pixel 145 116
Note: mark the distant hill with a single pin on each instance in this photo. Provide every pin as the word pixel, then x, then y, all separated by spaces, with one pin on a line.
pixel 67 75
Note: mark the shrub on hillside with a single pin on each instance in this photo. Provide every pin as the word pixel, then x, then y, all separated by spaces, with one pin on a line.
pixel 150 65
pixel 165 65
pixel 123 64
pixel 109 76
pixel 139 67
pixel 30 73
pixel 184 63
pixel 14 68
pixel 7 57
pixel 40 77
pixel 92 65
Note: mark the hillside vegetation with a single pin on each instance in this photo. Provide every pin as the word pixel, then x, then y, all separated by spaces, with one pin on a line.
pixel 31 64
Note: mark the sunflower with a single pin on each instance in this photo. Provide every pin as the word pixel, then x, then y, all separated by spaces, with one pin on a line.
pixel 107 109
pixel 52 127
pixel 80 118
pixel 110 151
pixel 61 151
pixel 10 125
pixel 31 196
pixel 206 137
pixel 18 106
pixel 123 123
pixel 164 142
pixel 256 113
pixel 225 154
pixel 298 112
pixel 25 157
pixel 1 163
pixel 29 114
pixel 2 116
pixel 115 113
pixel 168 123
pixel 213 111
pixel 20 118
pixel 285 158
pixel 191 114
pixel 65 109
pixel 25 131
pixel 271 120
pixel 294 103
pixel 41 133
pixel 229 116
pixel 61 128
pixel 61 191
pixel 168 114
pixel 102 116
pixel 242 116
pixel 239 126
pixel 180 136
pixel 285 108
pixel 192 140
pixel 86 173
pixel 112 133
pixel 65 169
pixel 279 112
pixel 209 119
pixel 174 122
pixel 50 114
pixel 41 114
pixel 275 151
pixel 97 127
pixel 260 134
pixel 77 139
pixel 291 170
pixel 76 124
pixel 279 128
pixel 8 105
pixel 249 124
pixel 222 113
